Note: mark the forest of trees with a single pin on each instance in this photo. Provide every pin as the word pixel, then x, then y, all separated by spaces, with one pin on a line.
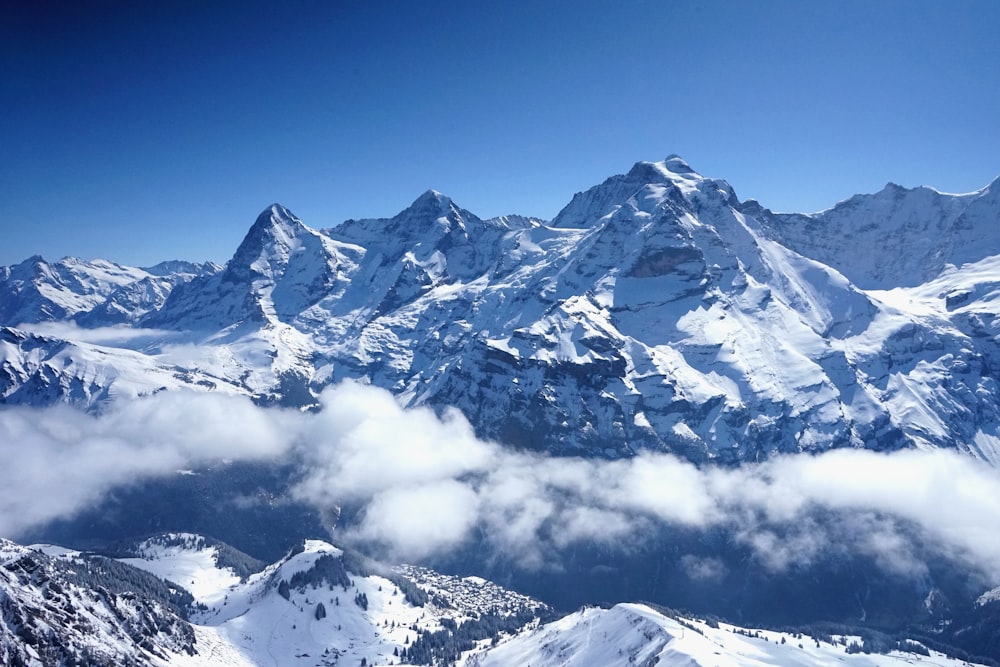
pixel 444 646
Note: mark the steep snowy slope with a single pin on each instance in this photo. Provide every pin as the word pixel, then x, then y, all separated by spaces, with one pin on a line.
pixel 95 293
pixel 41 370
pixel 933 352
pixel 897 237
pixel 633 634
pixel 38 291
pixel 74 611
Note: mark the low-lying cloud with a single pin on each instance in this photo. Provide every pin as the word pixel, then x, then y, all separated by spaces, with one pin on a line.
pixel 426 485
pixel 115 336
pixel 58 460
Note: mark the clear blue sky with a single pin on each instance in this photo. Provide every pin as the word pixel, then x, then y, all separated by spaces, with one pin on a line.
pixel 141 131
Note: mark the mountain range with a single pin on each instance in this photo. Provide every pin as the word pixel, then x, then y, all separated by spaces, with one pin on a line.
pixel 657 315
pixel 655 312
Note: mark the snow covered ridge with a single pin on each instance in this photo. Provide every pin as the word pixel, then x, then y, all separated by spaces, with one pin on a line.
pixel 95 291
pixel 635 634
pixel 318 606
pixel 314 608
pixel 897 237
pixel 656 312
pixel 63 611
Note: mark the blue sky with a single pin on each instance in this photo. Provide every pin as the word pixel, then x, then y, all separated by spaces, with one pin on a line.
pixel 143 131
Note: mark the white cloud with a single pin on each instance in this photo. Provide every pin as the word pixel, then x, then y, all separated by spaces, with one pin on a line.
pixel 416 521
pixel 425 484
pixel 58 460
pixel 120 336
pixel 703 569
pixel 527 504
pixel 363 443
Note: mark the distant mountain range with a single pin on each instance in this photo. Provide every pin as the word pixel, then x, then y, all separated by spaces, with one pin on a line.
pixel 657 311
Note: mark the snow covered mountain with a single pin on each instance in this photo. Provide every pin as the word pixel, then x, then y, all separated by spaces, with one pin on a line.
pixel 182 599
pixel 635 634
pixel 656 311
pixel 35 290
pixel 97 292
pixel 131 301
pixel 279 270
pixel 74 611
pixel 897 237
pixel 41 370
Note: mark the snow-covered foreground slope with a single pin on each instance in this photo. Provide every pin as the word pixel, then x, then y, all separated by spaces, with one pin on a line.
pixel 64 611
pixel 635 634
pixel 318 607
pixel 315 608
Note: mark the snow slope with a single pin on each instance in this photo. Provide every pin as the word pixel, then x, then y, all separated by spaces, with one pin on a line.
pixel 306 608
pixel 41 370
pixel 313 608
pixel 96 292
pixel 635 634
pixel 59 611
pixel 897 237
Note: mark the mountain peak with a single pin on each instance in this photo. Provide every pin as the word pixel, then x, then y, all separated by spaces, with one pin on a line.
pixel 432 200
pixel 432 207
pixel 276 214
pixel 673 172
pixel 646 172
pixel 269 242
pixel 275 222
pixel 891 187
pixel 671 169
pixel 677 164
pixel 432 194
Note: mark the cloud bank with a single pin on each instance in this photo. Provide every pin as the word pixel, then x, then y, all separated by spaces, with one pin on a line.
pixel 426 485
pixel 58 460
pixel 116 336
